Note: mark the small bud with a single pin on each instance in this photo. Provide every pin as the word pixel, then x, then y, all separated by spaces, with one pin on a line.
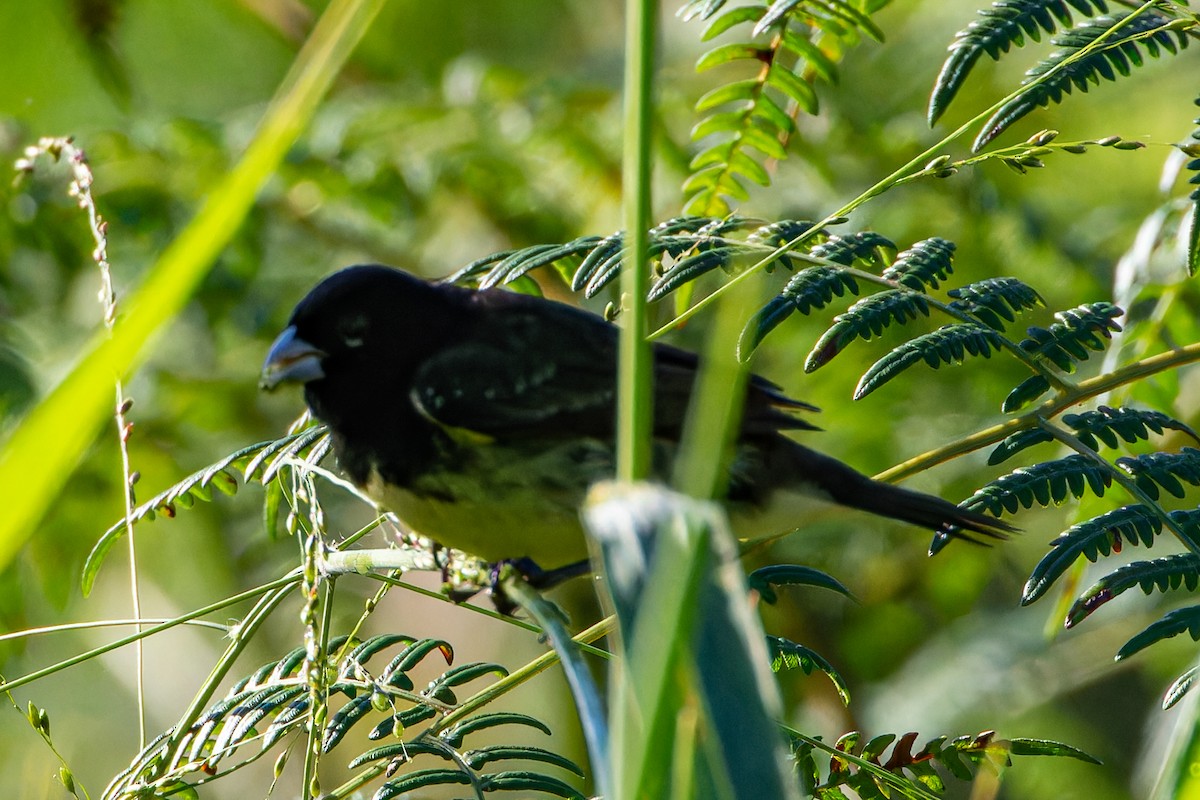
pixel 134 478
pixel 940 161
pixel 125 406
pixel 1075 148
pixel 1014 165
pixel 1042 138
pixel 1108 141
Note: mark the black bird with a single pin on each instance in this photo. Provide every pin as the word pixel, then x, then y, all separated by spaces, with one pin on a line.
pixel 480 418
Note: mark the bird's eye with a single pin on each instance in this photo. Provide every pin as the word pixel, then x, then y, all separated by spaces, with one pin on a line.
pixel 352 331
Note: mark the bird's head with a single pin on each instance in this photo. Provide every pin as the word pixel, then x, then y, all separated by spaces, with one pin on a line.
pixel 343 325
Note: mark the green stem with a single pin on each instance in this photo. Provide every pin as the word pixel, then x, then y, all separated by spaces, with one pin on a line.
pixel 635 389
pixel 1084 390
pixel 284 582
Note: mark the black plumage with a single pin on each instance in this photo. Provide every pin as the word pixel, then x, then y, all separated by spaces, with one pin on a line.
pixel 481 417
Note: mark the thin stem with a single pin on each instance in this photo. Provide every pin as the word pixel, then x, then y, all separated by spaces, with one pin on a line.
pixel 281 583
pixel 635 389
pixel 1084 390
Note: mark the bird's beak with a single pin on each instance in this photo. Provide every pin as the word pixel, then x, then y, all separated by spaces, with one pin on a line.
pixel 292 360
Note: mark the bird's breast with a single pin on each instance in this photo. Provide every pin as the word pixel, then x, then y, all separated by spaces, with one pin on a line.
pixel 499 501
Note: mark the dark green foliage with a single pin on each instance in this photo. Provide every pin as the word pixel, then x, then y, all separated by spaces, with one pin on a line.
pixel 870 771
pixel 785 654
pixel 1161 574
pixel 815 287
pixel 998 28
pixel 1025 393
pixel 693 245
pixel 808 289
pixel 1112 425
pixel 1078 331
pixel 924 264
pixel 1172 624
pixel 995 301
pixel 1124 38
pixel 1166 470
pixel 1043 484
pixel 260 462
pixel 1100 536
pixel 950 344
pixel 863 320
pixel 274 701
pixel 764 580
pixel 1104 425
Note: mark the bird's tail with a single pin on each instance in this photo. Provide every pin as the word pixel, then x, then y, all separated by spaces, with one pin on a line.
pixel 845 486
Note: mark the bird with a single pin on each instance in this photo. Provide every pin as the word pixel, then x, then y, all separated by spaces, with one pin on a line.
pixel 480 418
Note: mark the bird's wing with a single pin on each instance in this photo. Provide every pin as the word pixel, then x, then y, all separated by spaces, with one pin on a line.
pixel 548 369
pixel 540 370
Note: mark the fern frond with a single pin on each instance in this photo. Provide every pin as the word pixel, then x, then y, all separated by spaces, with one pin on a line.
pixel 1108 426
pixel 454 735
pixel 998 28
pixel 921 266
pixel 1101 536
pixel 1161 574
pixel 863 320
pixel 949 344
pixel 792 44
pixel 259 462
pixel 1120 53
pixel 1171 624
pixel 274 701
pixel 1088 327
pixel 995 301
pixel 1044 483
pixel 1153 470
pixel 870 770
pixel 786 654
pixel 808 289
pixel 1111 425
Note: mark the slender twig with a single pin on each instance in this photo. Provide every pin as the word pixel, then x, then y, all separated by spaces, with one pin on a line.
pixel 80 188
pixel 1082 391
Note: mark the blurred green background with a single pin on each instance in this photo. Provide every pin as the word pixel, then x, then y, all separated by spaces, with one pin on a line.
pixel 464 128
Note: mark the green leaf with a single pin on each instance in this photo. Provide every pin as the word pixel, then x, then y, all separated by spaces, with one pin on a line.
pixel 1047 747
pixel 1171 624
pixel 865 319
pixel 950 344
pixel 764 580
pixel 786 654
pixel 724 54
pixel 1161 574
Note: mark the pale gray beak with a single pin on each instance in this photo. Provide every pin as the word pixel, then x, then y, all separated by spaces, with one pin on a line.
pixel 291 360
